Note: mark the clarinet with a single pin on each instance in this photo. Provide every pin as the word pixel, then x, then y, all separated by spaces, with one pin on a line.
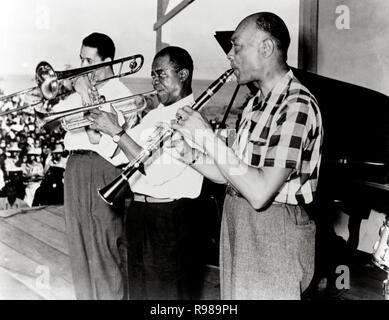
pixel 109 192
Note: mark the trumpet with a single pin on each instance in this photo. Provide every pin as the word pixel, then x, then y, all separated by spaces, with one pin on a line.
pixel 74 118
pixel 49 81
pixel 109 192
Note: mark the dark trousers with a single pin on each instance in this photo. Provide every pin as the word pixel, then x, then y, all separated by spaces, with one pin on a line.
pixel 165 250
pixel 94 229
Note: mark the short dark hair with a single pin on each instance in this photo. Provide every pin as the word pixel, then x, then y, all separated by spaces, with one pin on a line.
pixel 179 57
pixel 104 44
pixel 276 28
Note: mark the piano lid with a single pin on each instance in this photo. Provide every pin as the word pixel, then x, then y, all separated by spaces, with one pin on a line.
pixel 224 40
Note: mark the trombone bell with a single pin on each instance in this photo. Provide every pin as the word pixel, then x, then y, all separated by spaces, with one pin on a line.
pixel 47 78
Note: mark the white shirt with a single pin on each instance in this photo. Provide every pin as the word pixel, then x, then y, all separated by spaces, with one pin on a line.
pixel 78 139
pixel 35 169
pixel 10 165
pixel 166 177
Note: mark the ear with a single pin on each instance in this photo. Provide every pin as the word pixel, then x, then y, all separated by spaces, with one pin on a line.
pixel 183 74
pixel 107 59
pixel 267 47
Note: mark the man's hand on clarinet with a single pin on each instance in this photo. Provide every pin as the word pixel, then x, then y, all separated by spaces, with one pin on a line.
pixel 191 124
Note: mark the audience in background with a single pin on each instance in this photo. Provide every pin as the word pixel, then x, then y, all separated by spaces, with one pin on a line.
pixel 11 201
pixel 26 155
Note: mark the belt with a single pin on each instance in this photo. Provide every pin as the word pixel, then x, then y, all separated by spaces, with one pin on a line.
pixel 233 192
pixel 143 198
pixel 82 152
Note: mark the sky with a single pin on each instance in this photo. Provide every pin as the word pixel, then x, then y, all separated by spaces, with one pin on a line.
pixel 52 30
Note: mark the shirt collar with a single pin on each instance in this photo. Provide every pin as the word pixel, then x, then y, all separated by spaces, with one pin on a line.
pixel 184 101
pixel 280 86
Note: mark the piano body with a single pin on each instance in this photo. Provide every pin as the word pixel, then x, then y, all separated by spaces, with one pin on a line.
pixel 354 174
pixel 355 159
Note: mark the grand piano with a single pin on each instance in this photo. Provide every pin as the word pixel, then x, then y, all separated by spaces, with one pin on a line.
pixel 354 176
pixel 355 165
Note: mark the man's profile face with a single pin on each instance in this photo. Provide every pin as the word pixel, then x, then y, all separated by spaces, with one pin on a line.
pixel 89 56
pixel 245 56
pixel 166 81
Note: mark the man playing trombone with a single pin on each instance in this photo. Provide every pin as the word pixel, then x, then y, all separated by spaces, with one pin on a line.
pixel 94 229
pixel 163 223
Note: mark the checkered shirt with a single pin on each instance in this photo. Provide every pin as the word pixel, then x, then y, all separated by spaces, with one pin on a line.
pixel 284 130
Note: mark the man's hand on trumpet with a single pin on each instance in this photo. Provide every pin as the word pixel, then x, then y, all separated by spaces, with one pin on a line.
pixel 106 122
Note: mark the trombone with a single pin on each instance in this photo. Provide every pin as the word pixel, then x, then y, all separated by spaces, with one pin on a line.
pixel 126 105
pixel 49 81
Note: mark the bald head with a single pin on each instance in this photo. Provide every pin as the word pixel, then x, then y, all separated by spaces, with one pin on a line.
pixel 271 24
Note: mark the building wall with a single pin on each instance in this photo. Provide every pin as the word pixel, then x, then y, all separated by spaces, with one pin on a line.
pixel 353 42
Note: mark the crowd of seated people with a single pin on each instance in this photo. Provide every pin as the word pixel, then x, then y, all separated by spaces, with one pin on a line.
pixel 31 159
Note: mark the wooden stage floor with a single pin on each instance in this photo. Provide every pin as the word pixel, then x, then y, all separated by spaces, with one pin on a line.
pixel 34 263
pixel 34 258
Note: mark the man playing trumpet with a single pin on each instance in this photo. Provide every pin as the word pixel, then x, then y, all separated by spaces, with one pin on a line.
pixel 165 245
pixel 94 229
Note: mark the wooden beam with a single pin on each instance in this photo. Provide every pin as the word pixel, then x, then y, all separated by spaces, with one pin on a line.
pixel 164 4
pixel 161 9
pixel 166 17
pixel 308 35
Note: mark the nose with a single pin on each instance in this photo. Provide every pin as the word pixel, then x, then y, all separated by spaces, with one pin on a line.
pixel 230 54
pixel 154 81
pixel 84 63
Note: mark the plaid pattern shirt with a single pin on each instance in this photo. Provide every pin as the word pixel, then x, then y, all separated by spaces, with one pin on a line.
pixel 284 130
